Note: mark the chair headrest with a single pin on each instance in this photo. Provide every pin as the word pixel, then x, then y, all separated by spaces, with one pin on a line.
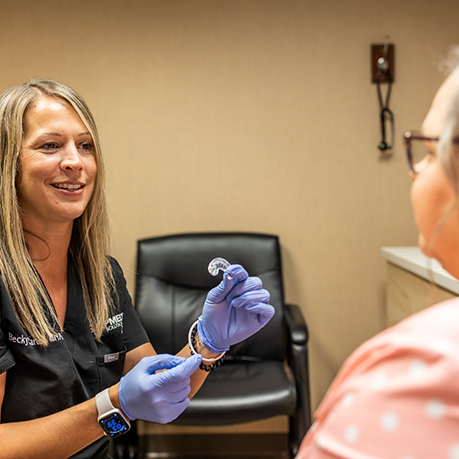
pixel 183 259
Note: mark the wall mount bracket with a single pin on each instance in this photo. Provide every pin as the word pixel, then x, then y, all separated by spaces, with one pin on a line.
pixel 382 55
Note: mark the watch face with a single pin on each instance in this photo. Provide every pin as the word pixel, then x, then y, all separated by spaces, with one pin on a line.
pixel 114 425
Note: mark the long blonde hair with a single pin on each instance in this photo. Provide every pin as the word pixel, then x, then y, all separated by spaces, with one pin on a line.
pixel 90 241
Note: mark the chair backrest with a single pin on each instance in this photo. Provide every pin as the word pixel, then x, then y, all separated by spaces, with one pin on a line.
pixel 173 281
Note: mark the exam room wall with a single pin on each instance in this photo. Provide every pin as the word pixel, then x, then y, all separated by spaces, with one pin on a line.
pixel 251 115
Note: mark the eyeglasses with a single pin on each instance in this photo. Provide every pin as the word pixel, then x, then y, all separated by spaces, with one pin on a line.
pixel 417 147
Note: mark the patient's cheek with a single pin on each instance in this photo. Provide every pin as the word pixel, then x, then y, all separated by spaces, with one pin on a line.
pixel 432 197
pixel 436 213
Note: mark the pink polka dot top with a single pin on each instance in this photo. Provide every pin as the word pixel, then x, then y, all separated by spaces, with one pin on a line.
pixel 396 396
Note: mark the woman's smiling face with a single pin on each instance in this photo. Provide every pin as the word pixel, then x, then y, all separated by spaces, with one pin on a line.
pixel 57 164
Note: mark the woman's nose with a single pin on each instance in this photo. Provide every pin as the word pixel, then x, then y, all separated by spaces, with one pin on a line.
pixel 419 166
pixel 71 158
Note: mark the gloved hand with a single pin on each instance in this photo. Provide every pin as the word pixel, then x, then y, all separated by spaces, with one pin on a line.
pixel 158 397
pixel 234 310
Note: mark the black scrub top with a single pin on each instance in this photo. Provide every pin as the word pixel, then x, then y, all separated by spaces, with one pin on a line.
pixel 74 367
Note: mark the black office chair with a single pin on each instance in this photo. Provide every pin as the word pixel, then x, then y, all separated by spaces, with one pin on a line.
pixel 264 376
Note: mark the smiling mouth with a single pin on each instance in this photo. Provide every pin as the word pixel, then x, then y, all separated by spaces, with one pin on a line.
pixel 67 186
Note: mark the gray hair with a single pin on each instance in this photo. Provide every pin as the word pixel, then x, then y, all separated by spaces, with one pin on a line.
pixel 448 146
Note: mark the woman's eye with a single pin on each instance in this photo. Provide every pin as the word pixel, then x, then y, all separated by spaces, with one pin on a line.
pixel 49 146
pixel 87 146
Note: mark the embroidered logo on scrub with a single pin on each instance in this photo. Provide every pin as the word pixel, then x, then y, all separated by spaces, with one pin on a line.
pixel 26 341
pixel 115 322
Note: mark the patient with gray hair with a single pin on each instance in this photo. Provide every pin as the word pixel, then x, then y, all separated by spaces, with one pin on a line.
pixel 397 395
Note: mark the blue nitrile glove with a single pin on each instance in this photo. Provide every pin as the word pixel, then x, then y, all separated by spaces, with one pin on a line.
pixel 234 310
pixel 158 397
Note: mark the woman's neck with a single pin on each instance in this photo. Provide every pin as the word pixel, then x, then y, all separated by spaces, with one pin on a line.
pixel 48 246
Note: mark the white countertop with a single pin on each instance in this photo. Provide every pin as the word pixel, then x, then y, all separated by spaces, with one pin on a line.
pixel 413 260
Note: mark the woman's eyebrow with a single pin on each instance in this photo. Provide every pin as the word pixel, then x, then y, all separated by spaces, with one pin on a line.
pixel 51 133
pixel 60 135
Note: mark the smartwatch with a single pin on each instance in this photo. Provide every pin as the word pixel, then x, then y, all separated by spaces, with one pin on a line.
pixel 112 420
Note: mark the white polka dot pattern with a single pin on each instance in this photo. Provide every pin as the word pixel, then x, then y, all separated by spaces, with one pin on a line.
pixel 417 369
pixel 389 421
pixel 397 396
pixel 435 409
pixel 453 452
pixel 348 399
pixel 379 381
pixel 351 433
pixel 440 345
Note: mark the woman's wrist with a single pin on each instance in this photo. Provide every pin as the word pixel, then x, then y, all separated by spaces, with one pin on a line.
pixel 113 392
pixel 202 349
pixel 208 363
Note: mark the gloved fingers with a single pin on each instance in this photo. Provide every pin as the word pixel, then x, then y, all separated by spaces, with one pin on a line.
pixel 262 309
pixel 251 283
pixel 154 363
pixel 252 296
pixel 181 372
pixel 182 403
pixel 170 412
pixel 178 396
pixel 235 274
pixel 168 386
pixel 145 393
pixel 261 312
pixel 265 313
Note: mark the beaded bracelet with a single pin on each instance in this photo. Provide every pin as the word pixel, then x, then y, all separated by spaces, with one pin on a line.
pixel 214 362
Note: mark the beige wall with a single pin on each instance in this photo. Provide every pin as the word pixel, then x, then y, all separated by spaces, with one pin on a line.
pixel 250 115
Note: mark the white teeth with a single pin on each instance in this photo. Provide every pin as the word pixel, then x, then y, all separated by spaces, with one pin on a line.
pixel 66 186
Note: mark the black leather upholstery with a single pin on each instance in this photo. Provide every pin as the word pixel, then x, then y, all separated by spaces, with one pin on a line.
pixel 266 375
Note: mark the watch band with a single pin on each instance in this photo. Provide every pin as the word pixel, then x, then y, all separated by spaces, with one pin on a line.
pixel 103 403
pixel 112 420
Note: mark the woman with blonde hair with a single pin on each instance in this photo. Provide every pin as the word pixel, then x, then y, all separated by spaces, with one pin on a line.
pixel 75 361
pixel 397 395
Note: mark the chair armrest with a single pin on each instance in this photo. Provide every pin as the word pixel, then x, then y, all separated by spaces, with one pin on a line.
pixel 297 356
pixel 296 325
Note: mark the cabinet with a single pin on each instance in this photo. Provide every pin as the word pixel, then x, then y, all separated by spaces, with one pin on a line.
pixel 414 282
